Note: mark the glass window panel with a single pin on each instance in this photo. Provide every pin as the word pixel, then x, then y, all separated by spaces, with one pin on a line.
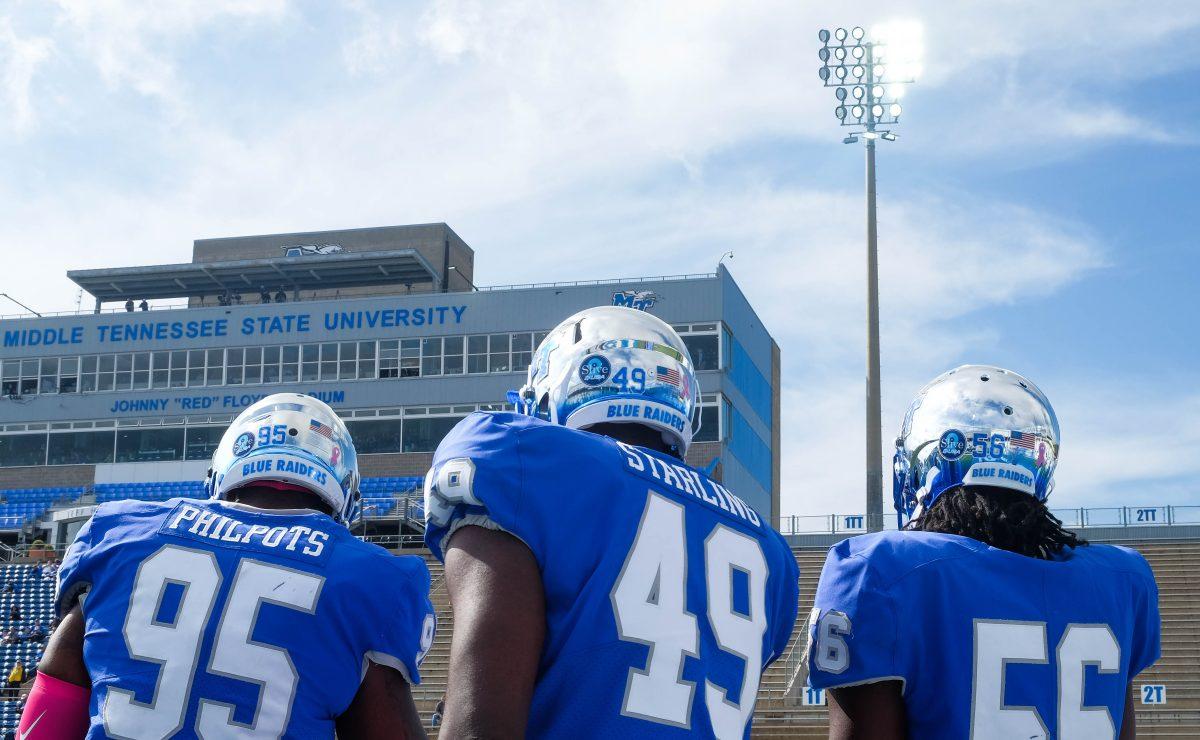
pixel 124 362
pixel 178 378
pixel 29 386
pixel 291 353
pixel 431 365
pixel 252 374
pixel 87 383
pixel 141 379
pixel 311 352
pixel 710 426
pixel 215 357
pixel 80 448
pixel 233 375
pixel 158 378
pixel 477 345
pixel 179 360
pixel 538 337
pixel 309 371
pixel 329 370
pixel 10 387
pixel 453 345
pixel 349 351
pixel 375 436
pixel 141 361
pixel 328 352
pixel 196 376
pixel 70 366
pixel 149 445
pixel 424 435
pixel 201 442
pixel 213 376
pixel 366 369
pixel 253 356
pixel 366 350
pixel 703 349
pixel 11 370
pixel 50 366
pixel 235 356
pixel 290 372
pixel 89 363
pixel 453 365
pixel 104 382
pixel 22 449
pixel 347 370
pixel 68 384
pixel 270 355
pixel 29 368
pixel 195 358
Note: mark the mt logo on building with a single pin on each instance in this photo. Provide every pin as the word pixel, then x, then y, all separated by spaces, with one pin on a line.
pixel 642 300
pixel 299 250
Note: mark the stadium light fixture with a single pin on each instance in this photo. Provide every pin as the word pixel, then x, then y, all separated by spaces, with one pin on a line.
pixel 876 67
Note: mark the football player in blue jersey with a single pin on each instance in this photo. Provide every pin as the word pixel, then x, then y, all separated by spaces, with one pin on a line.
pixel 600 586
pixel 253 614
pixel 983 617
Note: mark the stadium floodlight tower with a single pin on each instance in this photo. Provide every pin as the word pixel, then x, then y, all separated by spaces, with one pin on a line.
pixel 868 74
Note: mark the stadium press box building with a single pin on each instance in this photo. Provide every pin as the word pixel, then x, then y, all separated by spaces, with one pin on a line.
pixel 384 324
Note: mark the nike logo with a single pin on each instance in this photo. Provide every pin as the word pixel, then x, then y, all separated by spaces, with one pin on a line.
pixel 25 735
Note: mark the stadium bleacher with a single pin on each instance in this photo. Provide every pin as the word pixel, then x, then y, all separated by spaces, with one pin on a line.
pixel 19 506
pixel 379 495
pixel 33 594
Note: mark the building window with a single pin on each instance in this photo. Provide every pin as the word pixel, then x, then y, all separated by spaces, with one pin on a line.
pixel 453 356
pixel 704 349
pixel 22 449
pixel 376 436
pixel 202 442
pixel 149 445
pixel 477 354
pixel 410 358
pixel 80 448
pixel 424 434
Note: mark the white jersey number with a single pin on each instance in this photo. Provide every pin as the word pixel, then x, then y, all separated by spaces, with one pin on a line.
pixel 649 602
pixel 998 643
pixel 175 645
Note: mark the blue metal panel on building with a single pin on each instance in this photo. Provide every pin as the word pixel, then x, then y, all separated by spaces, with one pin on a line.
pixel 750 449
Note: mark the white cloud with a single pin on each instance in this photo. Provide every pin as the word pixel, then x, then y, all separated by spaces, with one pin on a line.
pixel 20 59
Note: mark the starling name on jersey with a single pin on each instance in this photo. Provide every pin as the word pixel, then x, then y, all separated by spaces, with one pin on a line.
pixel 201 524
pixel 688 481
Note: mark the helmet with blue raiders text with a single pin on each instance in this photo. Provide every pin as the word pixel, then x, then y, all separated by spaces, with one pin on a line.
pixel 614 364
pixel 293 440
pixel 975 425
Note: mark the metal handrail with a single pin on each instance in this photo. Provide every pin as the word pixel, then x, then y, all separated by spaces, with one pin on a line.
pixel 1078 518
pixel 478 289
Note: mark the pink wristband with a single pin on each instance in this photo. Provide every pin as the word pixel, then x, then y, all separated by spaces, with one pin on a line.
pixel 55 710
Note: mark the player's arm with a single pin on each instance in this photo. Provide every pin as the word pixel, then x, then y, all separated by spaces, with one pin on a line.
pixel 383 708
pixel 1129 721
pixel 57 706
pixel 873 710
pixel 499 623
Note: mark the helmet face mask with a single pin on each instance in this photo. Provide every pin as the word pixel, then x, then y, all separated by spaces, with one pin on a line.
pixel 293 439
pixel 612 364
pixel 975 425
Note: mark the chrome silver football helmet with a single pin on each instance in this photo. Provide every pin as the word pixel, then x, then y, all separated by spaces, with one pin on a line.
pixel 976 425
pixel 613 364
pixel 291 439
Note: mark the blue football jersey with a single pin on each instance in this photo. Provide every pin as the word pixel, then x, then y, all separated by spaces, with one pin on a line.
pixel 214 619
pixel 988 643
pixel 666 595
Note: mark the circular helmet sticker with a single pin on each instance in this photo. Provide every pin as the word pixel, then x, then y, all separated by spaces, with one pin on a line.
pixel 243 444
pixel 594 369
pixel 952 444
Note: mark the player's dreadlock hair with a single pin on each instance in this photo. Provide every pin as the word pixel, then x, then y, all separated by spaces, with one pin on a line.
pixel 1003 518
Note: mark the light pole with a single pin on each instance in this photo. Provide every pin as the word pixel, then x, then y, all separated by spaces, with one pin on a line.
pixel 868 74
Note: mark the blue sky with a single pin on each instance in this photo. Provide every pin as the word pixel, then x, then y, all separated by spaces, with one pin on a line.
pixel 1037 212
